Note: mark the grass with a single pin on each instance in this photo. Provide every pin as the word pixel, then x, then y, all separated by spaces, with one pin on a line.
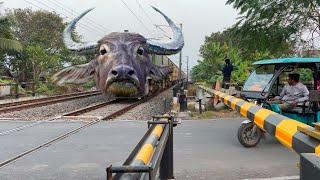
pixel 204 115
pixel 5 81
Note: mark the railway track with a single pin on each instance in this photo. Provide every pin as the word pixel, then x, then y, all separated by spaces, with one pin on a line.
pixel 19 105
pixel 126 107
pixel 67 115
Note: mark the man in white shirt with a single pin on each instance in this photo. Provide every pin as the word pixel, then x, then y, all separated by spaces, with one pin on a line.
pixel 292 94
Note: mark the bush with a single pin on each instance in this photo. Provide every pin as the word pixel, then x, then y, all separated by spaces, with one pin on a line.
pixel 6 81
pixel 89 85
pixel 45 89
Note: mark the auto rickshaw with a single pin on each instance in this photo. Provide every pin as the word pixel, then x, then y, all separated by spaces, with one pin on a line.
pixel 267 81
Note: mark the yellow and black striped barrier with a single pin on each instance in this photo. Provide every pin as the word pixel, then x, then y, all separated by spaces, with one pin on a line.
pixel 281 127
pixel 154 152
pixel 144 155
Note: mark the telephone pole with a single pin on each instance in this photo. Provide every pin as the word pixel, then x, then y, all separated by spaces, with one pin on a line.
pixel 180 60
pixel 187 70
pixel 1 3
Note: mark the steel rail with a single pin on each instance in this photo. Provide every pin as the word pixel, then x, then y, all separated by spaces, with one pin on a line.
pixel 89 108
pixel 72 113
pixel 45 102
pixel 43 99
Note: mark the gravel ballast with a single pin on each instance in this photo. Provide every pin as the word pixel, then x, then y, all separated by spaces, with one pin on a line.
pixel 148 109
pixel 144 111
pixel 53 110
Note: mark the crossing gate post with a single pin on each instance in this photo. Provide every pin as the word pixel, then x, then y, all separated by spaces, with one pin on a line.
pixel 16 90
pixel 145 162
pixel 166 165
pixel 309 166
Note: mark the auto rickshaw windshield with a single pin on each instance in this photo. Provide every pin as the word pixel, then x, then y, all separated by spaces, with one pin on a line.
pixel 260 79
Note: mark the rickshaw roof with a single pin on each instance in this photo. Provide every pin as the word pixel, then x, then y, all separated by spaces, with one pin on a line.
pixel 287 61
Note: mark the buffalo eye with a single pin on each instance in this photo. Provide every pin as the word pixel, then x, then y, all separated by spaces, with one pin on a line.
pixel 103 51
pixel 140 51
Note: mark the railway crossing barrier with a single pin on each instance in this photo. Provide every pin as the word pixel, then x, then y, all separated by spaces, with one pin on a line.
pixel 153 153
pixel 289 132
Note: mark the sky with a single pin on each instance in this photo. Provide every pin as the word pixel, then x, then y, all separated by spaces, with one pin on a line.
pixel 199 18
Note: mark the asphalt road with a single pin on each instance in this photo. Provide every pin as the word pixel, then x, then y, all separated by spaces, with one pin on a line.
pixel 210 150
pixel 206 149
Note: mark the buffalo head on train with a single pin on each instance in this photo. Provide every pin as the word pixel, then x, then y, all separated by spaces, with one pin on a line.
pixel 122 63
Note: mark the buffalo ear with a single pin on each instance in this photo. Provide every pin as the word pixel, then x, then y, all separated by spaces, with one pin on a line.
pixel 78 74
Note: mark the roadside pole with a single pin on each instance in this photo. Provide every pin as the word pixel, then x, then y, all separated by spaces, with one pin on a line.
pixel 187 71
pixel 1 3
pixel 180 60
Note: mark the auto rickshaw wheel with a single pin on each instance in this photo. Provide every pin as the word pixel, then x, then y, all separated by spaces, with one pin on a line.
pixel 249 134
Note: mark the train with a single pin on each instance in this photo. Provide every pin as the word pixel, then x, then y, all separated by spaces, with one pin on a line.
pixel 173 76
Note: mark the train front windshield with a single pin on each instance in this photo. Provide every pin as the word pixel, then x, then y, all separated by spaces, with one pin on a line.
pixel 260 79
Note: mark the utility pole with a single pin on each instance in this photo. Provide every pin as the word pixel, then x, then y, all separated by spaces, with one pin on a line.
pixel 187 70
pixel 1 3
pixel 180 60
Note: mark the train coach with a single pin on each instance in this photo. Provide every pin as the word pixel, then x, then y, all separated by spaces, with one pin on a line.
pixel 171 78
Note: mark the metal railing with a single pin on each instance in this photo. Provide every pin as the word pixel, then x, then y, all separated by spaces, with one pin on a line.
pixel 153 153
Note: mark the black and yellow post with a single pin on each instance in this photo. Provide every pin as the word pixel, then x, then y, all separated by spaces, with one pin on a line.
pixel 166 165
pixel 154 152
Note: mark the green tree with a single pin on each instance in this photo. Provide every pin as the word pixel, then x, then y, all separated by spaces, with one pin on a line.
pixel 9 44
pixel 222 45
pixel 213 54
pixel 7 41
pixel 40 61
pixel 40 33
pixel 278 23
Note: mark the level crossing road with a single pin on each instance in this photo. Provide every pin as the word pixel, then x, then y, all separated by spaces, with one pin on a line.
pixel 203 149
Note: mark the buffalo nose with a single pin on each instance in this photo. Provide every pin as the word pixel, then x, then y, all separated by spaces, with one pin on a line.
pixel 122 71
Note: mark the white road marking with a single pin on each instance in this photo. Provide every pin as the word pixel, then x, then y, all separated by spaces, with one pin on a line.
pixel 277 178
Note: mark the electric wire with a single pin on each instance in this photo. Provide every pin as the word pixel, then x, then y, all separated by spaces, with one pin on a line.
pixel 150 19
pixel 65 16
pixel 165 32
pixel 84 25
pixel 140 21
pixel 71 12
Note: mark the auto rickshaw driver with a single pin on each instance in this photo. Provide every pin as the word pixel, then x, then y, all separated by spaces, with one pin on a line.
pixel 293 93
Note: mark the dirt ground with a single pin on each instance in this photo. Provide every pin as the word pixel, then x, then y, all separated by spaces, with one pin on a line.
pixel 221 114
